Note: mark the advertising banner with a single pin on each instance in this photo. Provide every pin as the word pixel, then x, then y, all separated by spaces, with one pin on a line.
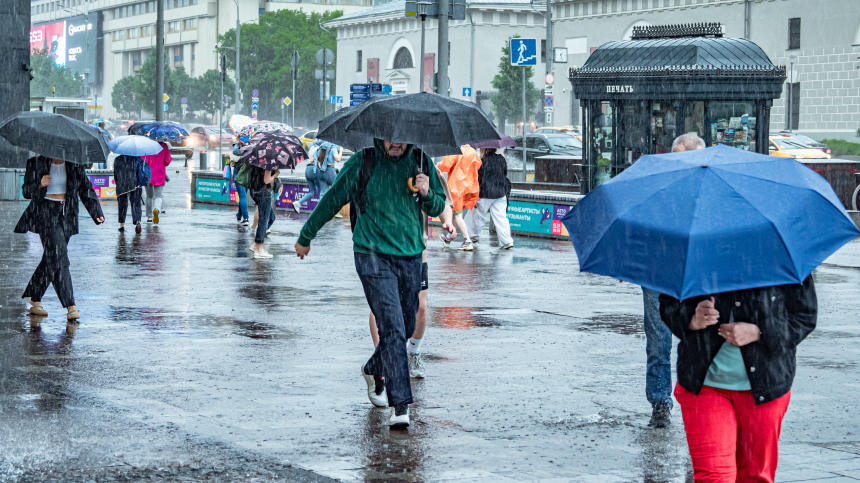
pixel 213 189
pixel 72 43
pixel 291 193
pixel 537 218
pixel 104 186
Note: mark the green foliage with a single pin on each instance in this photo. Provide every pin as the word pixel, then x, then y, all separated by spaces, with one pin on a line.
pixel 203 92
pixel 47 74
pixel 265 51
pixel 839 147
pixel 508 103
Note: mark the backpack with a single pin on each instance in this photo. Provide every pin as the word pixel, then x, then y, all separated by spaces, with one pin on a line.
pixel 142 172
pixel 358 200
pixel 243 176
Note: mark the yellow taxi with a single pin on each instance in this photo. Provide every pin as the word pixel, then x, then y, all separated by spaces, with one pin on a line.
pixel 787 147
pixel 559 129
pixel 308 138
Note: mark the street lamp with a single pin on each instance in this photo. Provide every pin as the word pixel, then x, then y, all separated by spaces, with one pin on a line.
pixel 422 12
pixel 791 60
pixel 238 28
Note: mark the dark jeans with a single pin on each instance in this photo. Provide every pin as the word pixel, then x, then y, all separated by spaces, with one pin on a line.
pixel 54 267
pixel 263 199
pixel 658 347
pixel 123 200
pixel 391 286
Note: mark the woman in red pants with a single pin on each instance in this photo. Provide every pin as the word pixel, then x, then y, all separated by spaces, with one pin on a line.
pixel 736 364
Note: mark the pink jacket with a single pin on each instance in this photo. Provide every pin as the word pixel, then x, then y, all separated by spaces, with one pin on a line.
pixel 158 164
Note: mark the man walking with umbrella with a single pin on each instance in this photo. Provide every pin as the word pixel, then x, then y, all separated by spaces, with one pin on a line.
pixel 388 242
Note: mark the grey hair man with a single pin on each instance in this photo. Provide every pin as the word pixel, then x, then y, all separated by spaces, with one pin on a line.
pixel 687 142
pixel 658 338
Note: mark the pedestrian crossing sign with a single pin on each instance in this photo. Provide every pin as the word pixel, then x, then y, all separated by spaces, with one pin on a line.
pixel 523 52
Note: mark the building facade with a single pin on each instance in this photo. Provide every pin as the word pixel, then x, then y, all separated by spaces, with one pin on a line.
pixel 818 42
pixel 126 32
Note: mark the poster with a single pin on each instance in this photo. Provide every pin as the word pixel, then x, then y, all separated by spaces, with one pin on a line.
pixel 538 218
pixel 104 186
pixel 213 189
pixel 292 192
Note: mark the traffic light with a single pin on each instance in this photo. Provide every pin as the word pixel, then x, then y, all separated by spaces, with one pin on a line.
pixel 223 68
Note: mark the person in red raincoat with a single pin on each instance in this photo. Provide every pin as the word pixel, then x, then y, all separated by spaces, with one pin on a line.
pixel 462 172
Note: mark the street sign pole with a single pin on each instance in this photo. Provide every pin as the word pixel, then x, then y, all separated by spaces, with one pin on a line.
pixel 159 58
pixel 294 63
pixel 442 83
pixel 524 117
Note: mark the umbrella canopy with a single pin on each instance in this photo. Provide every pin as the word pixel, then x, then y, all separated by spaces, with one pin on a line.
pixel 260 127
pixel 55 136
pixel 709 221
pixel 134 146
pixel 163 131
pixel 238 121
pixel 100 120
pixel 137 127
pixel 429 121
pixel 274 150
pixel 505 142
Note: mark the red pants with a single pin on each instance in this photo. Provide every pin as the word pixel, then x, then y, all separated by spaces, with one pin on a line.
pixel 730 438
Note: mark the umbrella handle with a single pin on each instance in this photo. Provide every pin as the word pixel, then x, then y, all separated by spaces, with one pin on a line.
pixel 412 187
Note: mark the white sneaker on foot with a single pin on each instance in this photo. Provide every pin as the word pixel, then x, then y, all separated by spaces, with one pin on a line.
pixel 399 421
pixel 445 241
pixel 466 246
pixel 378 400
pixel 262 254
pixel 297 206
pixel 507 246
pixel 416 366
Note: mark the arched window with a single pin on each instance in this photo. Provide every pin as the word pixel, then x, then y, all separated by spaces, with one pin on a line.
pixel 403 59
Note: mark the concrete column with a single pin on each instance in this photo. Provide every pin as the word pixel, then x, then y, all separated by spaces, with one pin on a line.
pixel 14 77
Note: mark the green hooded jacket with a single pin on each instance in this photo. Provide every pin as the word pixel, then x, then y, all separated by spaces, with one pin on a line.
pixel 391 222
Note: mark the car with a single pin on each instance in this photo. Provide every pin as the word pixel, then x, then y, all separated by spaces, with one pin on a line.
pixel 786 147
pixel 207 136
pixel 308 137
pixel 812 143
pixel 562 129
pixel 541 144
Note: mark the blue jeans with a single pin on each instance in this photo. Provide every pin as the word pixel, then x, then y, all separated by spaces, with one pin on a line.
pixel 318 189
pixel 658 347
pixel 391 286
pixel 263 199
pixel 242 194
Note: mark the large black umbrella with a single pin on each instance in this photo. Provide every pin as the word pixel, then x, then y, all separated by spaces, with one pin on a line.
pixel 331 129
pixel 274 150
pixel 55 136
pixel 437 124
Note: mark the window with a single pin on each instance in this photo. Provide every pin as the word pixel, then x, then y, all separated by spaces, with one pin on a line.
pixel 189 24
pixel 403 59
pixel 136 61
pixel 794 33
pixel 118 35
pixel 358 61
pixel 133 33
pixel 173 26
pixel 793 118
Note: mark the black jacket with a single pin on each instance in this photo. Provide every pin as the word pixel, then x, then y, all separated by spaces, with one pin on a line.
pixel 125 174
pixel 493 177
pixel 785 314
pixel 77 186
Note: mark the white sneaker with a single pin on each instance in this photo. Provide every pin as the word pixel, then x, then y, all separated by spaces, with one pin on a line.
pixel 245 222
pixel 445 241
pixel 416 366
pixel 398 422
pixel 297 206
pixel 474 239
pixel 338 215
pixel 268 231
pixel 378 400
pixel 466 246
pixel 507 246
pixel 262 254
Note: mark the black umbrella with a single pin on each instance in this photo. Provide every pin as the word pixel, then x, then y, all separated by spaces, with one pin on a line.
pixel 274 150
pixel 55 136
pixel 331 129
pixel 438 124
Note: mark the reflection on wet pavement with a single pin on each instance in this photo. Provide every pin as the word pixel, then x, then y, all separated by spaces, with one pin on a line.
pixel 194 362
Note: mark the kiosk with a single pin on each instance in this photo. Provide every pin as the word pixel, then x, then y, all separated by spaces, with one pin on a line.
pixel 638 95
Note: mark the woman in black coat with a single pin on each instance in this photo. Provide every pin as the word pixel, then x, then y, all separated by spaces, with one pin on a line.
pixel 736 364
pixel 495 188
pixel 53 188
pixel 127 190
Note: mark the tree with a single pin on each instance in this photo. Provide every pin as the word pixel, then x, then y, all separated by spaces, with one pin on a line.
pixel 206 93
pixel 508 103
pixel 266 49
pixel 47 74
pixel 125 96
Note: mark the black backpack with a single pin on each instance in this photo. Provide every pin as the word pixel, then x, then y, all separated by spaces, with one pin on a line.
pixel 359 199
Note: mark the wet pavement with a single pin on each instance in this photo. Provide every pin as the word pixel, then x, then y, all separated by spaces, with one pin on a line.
pixel 194 362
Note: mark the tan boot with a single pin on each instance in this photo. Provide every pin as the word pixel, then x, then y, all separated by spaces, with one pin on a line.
pixel 37 309
pixel 73 314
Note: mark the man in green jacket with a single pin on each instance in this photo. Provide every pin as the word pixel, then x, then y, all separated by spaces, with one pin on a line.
pixel 388 241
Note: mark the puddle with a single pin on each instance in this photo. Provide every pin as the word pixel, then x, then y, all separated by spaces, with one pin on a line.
pixel 625 324
pixel 461 318
pixel 183 322
pixel 826 364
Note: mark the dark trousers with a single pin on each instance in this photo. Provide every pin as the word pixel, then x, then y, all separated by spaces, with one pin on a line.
pixel 263 199
pixel 122 205
pixel 54 267
pixel 391 286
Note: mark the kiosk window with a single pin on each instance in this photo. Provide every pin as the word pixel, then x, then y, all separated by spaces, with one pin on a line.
pixel 733 124
pixel 663 122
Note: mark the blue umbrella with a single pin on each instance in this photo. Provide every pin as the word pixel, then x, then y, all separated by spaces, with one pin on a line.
pixel 134 146
pixel 164 131
pixel 709 221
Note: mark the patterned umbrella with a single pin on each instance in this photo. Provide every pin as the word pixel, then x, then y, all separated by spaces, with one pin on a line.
pixel 260 127
pixel 238 121
pixel 274 150
pixel 164 131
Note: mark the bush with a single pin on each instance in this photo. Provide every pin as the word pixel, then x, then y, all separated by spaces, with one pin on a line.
pixel 839 147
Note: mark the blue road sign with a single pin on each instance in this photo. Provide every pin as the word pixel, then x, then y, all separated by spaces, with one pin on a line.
pixel 524 52
pixel 357 96
pixel 467 92
pixel 359 88
pixel 255 93
pixel 380 94
pixel 255 106
pixel 335 99
pixel 184 100
pixel 386 88
pixel 165 106
pixel 375 87
pixel 354 103
pixel 547 101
